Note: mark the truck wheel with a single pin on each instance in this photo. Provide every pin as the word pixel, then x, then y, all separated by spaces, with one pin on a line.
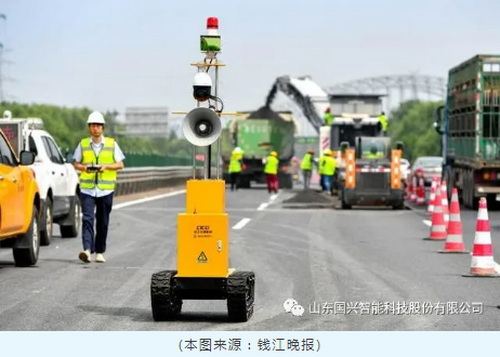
pixel 71 231
pixel 164 303
pixel 24 257
pixel 240 295
pixel 47 223
pixel 399 205
pixel 343 203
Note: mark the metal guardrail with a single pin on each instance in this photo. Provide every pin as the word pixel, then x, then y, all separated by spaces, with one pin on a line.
pixel 140 179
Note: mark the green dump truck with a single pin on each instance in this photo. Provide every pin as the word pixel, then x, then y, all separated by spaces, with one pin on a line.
pixel 469 125
pixel 257 134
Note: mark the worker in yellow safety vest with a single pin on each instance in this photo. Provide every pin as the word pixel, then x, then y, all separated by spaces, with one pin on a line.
pixel 271 171
pixel 374 153
pixel 307 167
pixel 98 158
pixel 328 117
pixel 384 124
pixel 327 167
pixel 235 166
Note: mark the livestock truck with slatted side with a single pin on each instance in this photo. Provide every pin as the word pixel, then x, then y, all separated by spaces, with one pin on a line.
pixel 469 125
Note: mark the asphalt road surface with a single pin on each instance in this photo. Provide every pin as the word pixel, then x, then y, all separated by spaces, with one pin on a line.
pixel 354 270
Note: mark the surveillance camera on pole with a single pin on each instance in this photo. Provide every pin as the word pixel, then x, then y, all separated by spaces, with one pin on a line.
pixel 202 86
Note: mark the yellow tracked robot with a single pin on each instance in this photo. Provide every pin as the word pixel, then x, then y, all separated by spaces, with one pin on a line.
pixel 203 271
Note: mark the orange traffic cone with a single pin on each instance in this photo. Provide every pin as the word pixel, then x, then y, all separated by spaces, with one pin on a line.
pixel 438 227
pixel 444 199
pixel 413 196
pixel 455 241
pixel 432 195
pixel 482 264
pixel 421 192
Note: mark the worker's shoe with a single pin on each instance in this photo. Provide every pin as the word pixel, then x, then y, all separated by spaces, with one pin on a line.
pixel 85 256
pixel 99 258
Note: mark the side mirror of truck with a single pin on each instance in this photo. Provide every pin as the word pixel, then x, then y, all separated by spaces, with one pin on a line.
pixel 27 157
pixel 400 146
pixel 344 145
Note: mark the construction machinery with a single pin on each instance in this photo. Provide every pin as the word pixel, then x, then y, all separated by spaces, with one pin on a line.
pixel 470 131
pixel 354 116
pixel 203 230
pixel 372 174
pixel 257 134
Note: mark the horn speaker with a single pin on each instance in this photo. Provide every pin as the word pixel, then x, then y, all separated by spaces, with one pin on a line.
pixel 201 127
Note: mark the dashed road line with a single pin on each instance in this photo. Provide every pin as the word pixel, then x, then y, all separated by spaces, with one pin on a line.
pixel 241 223
pixel 147 199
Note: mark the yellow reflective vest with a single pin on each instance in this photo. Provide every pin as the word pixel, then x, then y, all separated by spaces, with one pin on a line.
pixel 327 165
pixel 235 163
pixel 307 162
pixel 383 122
pixel 271 165
pixel 104 180
pixel 328 117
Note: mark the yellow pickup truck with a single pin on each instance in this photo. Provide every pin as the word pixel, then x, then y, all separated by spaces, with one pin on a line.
pixel 19 204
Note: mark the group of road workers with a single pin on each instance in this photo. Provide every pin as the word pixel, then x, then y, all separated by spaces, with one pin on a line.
pixel 326 165
pixel 271 165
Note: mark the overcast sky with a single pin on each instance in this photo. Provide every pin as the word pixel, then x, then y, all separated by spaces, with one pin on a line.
pixel 110 54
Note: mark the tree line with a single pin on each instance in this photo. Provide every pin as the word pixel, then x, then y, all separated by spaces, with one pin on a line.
pixel 413 124
pixel 68 126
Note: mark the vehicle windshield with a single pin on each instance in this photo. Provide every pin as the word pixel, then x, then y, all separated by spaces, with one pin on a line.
pixel 374 147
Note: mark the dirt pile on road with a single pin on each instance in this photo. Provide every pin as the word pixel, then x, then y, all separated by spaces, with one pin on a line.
pixel 309 196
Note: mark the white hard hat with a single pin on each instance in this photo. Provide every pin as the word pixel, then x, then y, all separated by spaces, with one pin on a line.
pixel 95 118
pixel 7 114
pixel 237 149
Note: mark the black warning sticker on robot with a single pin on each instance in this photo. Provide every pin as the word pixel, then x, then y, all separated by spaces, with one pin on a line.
pixel 202 232
pixel 202 258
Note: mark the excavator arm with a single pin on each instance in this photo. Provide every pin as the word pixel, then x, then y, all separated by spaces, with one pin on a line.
pixel 307 94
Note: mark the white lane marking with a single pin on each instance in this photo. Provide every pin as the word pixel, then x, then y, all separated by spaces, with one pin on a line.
pixel 241 223
pixel 273 197
pixel 427 222
pixel 263 206
pixel 147 199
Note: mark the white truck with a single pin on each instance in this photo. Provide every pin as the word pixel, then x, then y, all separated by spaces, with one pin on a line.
pixel 57 180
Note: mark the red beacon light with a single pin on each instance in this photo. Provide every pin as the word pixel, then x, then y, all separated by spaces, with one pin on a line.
pixel 212 25
pixel 211 41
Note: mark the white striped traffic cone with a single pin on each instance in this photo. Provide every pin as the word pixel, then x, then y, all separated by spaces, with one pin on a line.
pixel 432 195
pixel 444 202
pixel 482 263
pixel 421 192
pixel 438 227
pixel 455 241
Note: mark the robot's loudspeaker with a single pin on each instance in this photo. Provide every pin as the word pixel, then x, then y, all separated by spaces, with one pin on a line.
pixel 201 127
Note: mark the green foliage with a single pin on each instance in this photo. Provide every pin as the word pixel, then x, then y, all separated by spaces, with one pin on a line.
pixel 68 126
pixel 413 124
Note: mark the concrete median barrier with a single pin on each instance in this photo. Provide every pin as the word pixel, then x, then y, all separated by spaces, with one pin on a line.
pixel 134 180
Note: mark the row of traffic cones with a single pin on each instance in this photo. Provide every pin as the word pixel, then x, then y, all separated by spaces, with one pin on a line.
pixel 415 191
pixel 450 230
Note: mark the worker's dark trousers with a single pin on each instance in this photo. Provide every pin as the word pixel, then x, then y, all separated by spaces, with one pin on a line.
pixel 235 180
pixel 102 206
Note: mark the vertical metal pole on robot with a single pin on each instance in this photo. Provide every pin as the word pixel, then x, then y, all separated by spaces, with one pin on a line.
pixel 217 110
